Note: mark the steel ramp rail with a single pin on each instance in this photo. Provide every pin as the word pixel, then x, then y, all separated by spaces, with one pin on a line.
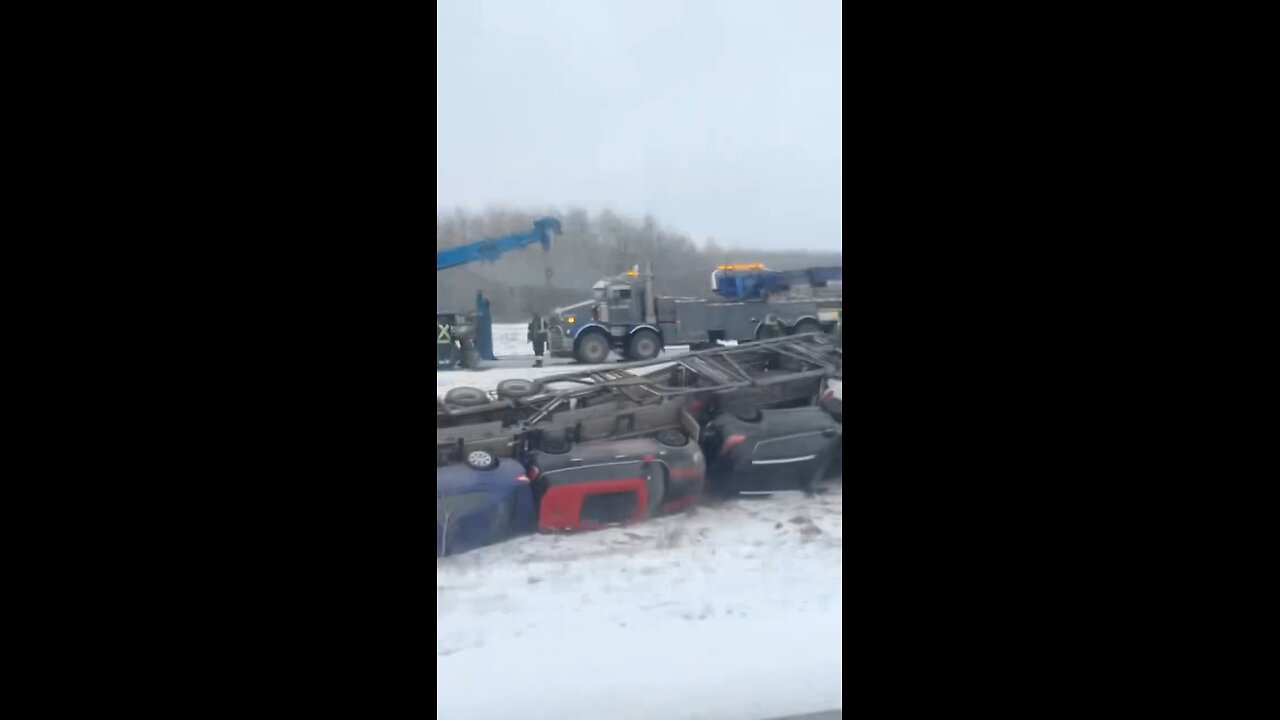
pixel 718 368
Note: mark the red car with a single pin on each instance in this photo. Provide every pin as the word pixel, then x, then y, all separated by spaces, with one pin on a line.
pixel 608 482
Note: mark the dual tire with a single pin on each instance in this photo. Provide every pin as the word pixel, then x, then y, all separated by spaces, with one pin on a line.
pixel 592 347
pixel 644 345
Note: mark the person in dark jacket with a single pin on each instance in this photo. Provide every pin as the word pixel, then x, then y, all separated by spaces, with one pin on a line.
pixel 484 328
pixel 446 346
pixel 539 329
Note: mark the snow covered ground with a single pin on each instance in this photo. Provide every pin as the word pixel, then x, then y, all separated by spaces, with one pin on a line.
pixel 730 611
pixel 509 340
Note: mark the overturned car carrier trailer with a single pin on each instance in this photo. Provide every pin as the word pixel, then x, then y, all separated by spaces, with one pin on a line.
pixel 592 448
pixel 616 402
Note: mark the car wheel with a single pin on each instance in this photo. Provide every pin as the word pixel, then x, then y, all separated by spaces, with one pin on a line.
pixel 466 397
pixel 644 345
pixel 656 485
pixel 481 460
pixel 592 348
pixel 673 438
pixel 518 388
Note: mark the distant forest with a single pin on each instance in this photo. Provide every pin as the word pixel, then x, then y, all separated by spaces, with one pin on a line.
pixel 592 247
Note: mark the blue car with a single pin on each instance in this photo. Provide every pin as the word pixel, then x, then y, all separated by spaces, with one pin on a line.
pixel 481 501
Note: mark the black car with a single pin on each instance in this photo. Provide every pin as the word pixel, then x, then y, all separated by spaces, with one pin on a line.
pixel 752 450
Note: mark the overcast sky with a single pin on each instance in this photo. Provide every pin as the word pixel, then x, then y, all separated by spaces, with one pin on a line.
pixel 720 117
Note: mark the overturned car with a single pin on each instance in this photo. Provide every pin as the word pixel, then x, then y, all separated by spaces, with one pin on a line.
pixel 621 444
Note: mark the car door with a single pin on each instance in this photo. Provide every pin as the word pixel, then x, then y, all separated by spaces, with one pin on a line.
pixel 796 442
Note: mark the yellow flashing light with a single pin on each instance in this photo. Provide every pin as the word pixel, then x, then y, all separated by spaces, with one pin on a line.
pixel 569 319
pixel 631 273
pixel 742 266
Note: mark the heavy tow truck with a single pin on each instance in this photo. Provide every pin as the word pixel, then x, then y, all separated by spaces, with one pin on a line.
pixel 625 315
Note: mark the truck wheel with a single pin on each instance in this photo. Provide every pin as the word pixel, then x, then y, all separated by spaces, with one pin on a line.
pixel 592 348
pixel 806 326
pixel 645 345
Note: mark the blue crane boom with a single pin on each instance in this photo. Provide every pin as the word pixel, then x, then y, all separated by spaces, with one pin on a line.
pixel 493 248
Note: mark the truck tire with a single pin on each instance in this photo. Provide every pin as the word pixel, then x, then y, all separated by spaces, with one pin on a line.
pixel 806 326
pixel 592 348
pixel 644 345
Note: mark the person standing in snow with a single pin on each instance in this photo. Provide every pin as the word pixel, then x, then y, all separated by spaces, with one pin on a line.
pixel 539 329
pixel 484 328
